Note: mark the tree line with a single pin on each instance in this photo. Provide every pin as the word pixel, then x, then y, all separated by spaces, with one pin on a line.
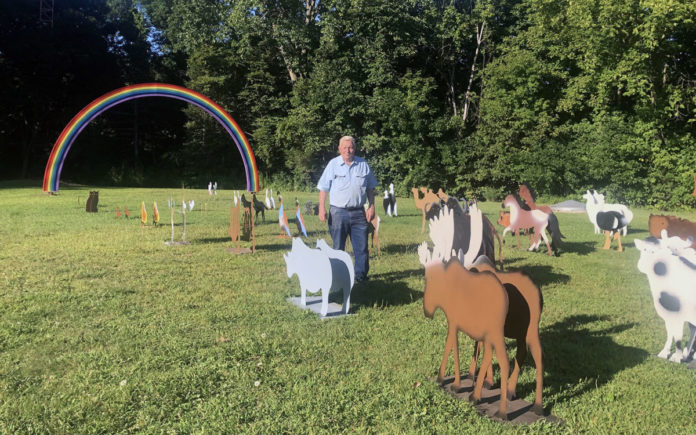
pixel 472 96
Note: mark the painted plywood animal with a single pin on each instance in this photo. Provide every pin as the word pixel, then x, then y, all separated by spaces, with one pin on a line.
pixel 670 265
pixel 473 302
pixel 594 203
pixel 611 222
pixel 423 203
pixel 320 270
pixel 674 226
pixel 521 219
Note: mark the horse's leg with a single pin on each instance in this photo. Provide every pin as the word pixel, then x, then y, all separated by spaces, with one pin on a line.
pixel 457 374
pixel 505 231
pixel 517 233
pixel 520 355
pixel 617 236
pixel 535 350
pixel 501 354
pixel 474 359
pixel 448 348
pixel 346 298
pixel 487 357
pixel 692 337
pixel 546 240
pixel 607 240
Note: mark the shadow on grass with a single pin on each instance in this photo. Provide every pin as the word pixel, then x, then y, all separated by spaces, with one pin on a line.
pixel 384 290
pixel 580 248
pixel 573 351
pixel 541 274
pixel 399 248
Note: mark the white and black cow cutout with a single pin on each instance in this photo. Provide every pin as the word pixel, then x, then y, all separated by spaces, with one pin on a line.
pixel 670 265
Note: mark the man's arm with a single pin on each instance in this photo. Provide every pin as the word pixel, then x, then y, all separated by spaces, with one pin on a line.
pixel 322 205
pixel 370 212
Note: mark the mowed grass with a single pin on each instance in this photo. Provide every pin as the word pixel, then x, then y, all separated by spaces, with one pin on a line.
pixel 103 328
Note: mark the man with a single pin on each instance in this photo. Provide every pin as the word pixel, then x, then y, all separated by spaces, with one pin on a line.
pixel 349 181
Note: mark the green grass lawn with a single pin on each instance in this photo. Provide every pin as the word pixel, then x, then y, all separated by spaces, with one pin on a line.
pixel 103 328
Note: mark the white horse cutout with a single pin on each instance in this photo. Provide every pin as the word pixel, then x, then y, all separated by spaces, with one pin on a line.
pixel 319 270
pixel 670 265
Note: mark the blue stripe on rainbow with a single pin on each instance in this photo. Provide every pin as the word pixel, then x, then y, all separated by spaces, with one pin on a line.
pixel 106 101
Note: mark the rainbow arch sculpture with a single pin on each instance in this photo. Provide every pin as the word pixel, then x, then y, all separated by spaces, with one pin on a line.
pixel 95 108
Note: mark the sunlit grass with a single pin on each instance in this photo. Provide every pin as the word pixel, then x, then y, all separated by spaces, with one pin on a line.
pixel 103 328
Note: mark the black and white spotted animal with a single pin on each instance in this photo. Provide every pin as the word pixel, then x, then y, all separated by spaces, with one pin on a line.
pixel 670 265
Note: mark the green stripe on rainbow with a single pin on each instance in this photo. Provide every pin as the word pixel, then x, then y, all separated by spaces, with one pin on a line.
pixel 95 108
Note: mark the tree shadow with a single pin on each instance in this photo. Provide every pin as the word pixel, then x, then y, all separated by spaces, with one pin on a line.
pixel 580 248
pixel 541 274
pixel 399 248
pixel 215 240
pixel 573 351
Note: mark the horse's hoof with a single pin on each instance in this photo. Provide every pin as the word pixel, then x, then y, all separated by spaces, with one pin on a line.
pixel 474 401
pixel 501 415
pixel 538 410
pixel 487 385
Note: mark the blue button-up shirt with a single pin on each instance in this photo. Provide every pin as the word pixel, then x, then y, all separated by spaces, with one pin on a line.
pixel 347 185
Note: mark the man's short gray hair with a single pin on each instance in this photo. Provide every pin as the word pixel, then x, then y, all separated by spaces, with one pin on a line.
pixel 350 138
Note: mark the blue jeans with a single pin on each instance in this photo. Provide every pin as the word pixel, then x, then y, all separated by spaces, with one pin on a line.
pixel 351 222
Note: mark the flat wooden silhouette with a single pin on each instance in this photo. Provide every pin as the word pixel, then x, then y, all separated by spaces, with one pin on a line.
pixel 521 219
pixel 283 220
pixel 340 264
pixel 611 221
pixel 670 265
pixel 319 271
pixel 299 221
pixel 442 195
pixel 475 303
pixel 504 221
pixel 521 323
pixel 529 197
pixel 92 201
pixel 155 214
pixel 675 227
pixel 424 203
pixel 235 218
pixel 373 231
pixel 143 214
pixel 118 213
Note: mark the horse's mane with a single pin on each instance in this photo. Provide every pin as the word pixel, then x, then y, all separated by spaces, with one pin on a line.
pixel 532 193
pixel 523 205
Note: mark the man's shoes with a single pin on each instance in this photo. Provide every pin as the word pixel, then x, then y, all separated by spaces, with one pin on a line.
pixel 362 279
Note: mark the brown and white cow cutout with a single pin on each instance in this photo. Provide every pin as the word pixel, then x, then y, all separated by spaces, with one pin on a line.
pixel 670 265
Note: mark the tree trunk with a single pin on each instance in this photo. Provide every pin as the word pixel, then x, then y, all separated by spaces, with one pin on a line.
pixel 467 96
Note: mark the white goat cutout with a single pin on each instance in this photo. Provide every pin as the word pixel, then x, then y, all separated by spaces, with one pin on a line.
pixel 670 265
pixel 595 203
pixel 323 269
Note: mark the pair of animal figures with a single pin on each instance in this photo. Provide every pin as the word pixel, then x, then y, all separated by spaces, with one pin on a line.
pixel 670 265
pixel 389 201
pixel 486 304
pixel 324 270
pixel 525 214
pixel 610 218
pixel 425 202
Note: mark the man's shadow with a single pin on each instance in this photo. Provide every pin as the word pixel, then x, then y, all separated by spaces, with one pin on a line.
pixel 573 351
pixel 382 290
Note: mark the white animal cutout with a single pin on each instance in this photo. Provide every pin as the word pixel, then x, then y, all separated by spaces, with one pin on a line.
pixel 267 201
pixel 272 200
pixel 210 188
pixel 387 202
pixel 441 229
pixel 391 190
pixel 670 265
pixel 595 203
pixel 318 270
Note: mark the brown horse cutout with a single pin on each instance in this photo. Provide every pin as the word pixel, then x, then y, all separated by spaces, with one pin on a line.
pixel 235 218
pixel 424 203
pixel 373 229
pixel 522 324
pixel 674 226
pixel 442 195
pixel 522 219
pixel 528 196
pixel 475 303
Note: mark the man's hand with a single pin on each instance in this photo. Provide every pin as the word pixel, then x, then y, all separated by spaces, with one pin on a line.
pixel 322 206
pixel 322 214
pixel 370 212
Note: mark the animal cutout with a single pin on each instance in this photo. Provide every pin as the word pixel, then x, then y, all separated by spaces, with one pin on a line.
pixel 595 203
pixel 283 220
pixel 143 214
pixel 522 219
pixel 610 222
pixel 118 213
pixel 267 201
pixel 504 221
pixel 273 204
pixel 442 195
pixel 320 270
pixel 260 207
pixel 527 194
pixel 210 188
pixel 674 226
pixel 126 212
pixel 525 303
pixel 155 214
pixel 475 303
pixel 300 222
pixel 424 203
pixel 466 224
pixel 311 209
pixel 387 203
pixel 373 230
pixel 670 265
pixel 394 208
pixel 92 201
pixel 235 215
pixel 529 197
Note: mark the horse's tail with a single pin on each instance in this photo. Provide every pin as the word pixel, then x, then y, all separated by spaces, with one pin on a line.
pixel 555 231
pixel 500 244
